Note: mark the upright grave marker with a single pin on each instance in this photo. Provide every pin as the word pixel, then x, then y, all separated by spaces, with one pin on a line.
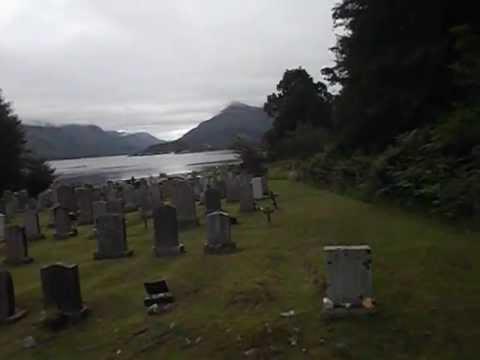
pixel 213 201
pixel 111 236
pixel 84 201
pixel 184 201
pixel 67 298
pixel 63 224
pixel 219 233
pixel 16 246
pixel 166 231
pixel 8 310
pixel 32 225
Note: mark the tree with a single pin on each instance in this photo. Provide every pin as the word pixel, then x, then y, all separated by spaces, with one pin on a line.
pixel 298 102
pixel 18 168
pixel 12 146
pixel 393 66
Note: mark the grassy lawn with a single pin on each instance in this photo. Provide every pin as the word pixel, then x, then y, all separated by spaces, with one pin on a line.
pixel 426 279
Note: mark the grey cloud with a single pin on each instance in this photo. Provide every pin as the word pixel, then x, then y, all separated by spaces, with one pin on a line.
pixel 157 65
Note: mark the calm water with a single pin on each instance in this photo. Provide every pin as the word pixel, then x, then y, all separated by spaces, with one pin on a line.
pixel 124 167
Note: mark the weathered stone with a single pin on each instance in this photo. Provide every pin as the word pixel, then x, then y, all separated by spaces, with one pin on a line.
pixel 66 198
pixel 219 233
pixel 233 188
pixel 349 274
pixel 257 188
pixel 32 225
pixel 8 310
pixel 213 201
pixel 66 298
pixel 166 232
pixel 16 246
pixel 84 201
pixel 247 203
pixel 111 237
pixel 63 224
pixel 184 201
pixel 158 293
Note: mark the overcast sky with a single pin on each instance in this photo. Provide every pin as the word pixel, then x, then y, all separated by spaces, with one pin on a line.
pixel 161 66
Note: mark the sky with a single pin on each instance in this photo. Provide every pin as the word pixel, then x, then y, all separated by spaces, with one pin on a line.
pixel 160 66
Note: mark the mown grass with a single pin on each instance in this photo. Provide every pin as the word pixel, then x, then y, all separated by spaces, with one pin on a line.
pixel 426 279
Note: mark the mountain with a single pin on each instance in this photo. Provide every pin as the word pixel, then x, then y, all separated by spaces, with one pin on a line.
pixel 74 141
pixel 219 132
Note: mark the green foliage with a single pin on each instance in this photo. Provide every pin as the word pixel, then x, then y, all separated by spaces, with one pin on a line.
pixel 298 103
pixel 253 160
pixel 12 144
pixel 18 168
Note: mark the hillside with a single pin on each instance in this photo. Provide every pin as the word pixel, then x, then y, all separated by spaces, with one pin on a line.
pixel 73 141
pixel 425 281
pixel 219 132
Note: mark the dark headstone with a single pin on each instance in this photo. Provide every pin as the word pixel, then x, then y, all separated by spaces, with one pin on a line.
pixel 247 203
pixel 84 201
pixel 61 289
pixel 213 201
pixel 66 197
pixel 63 223
pixel 8 311
pixel 166 232
pixel 157 293
pixel 111 237
pixel 32 225
pixel 16 246
pixel 184 200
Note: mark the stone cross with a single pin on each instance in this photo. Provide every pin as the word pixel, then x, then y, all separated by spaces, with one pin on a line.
pixel 349 274
pixel 111 236
pixel 32 225
pixel 84 201
pixel 8 310
pixel 63 224
pixel 61 289
pixel 16 246
pixel 213 201
pixel 219 233
pixel 166 232
pixel 184 200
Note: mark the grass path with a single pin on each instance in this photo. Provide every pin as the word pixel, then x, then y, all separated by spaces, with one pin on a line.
pixel 426 279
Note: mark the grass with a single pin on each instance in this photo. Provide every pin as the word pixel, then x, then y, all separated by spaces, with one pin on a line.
pixel 426 278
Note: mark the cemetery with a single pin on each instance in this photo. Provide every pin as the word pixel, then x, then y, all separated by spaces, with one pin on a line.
pixel 300 273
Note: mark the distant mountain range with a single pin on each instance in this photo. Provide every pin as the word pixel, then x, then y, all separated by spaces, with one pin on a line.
pixel 74 141
pixel 236 120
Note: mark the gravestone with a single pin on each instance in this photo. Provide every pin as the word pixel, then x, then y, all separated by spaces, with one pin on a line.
pixel 166 232
pixel 2 227
pixel 111 236
pixel 32 225
pixel 157 293
pixel 213 201
pixel 144 200
pixel 99 208
pixel 156 195
pixel 84 201
pixel 184 201
pixel 66 198
pixel 349 275
pixel 233 188
pixel 16 246
pixel 63 224
pixel 247 203
pixel 115 206
pixel 129 198
pixel 219 233
pixel 257 188
pixel 8 310
pixel 67 298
